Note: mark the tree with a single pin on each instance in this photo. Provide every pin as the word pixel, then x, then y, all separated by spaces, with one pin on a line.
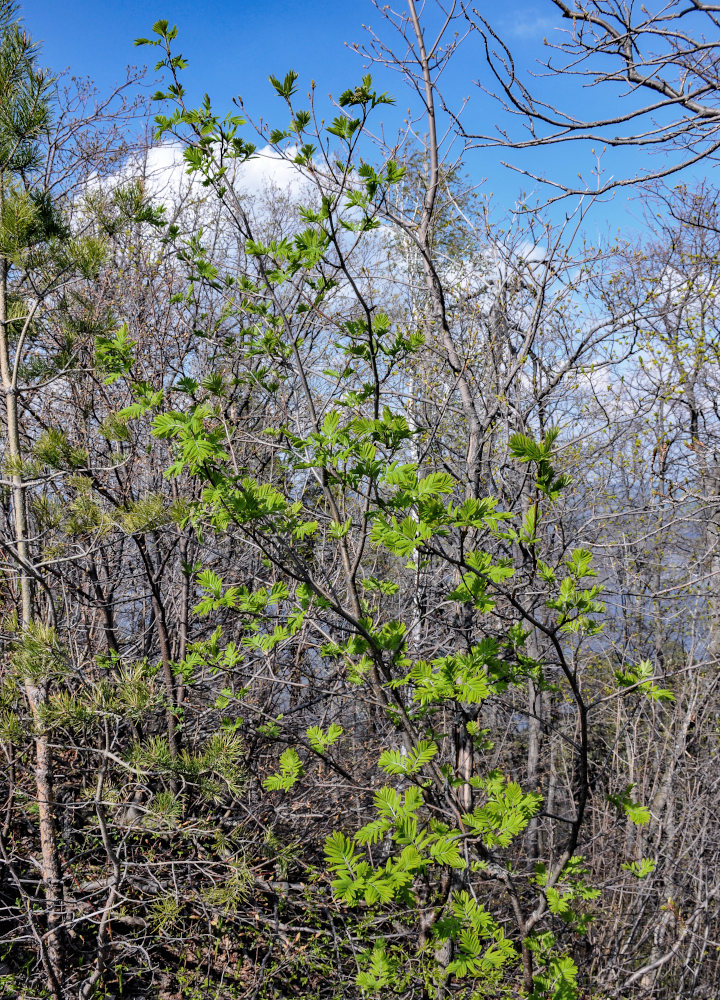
pixel 660 62
pixel 368 494
pixel 40 257
pixel 372 542
pixel 28 223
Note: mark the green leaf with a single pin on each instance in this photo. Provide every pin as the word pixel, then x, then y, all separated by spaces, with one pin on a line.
pixel 290 770
pixel 286 88
pixel 408 762
pixel 320 740
pixel 635 811
pixel 641 868
pixel 640 678
pixel 379 972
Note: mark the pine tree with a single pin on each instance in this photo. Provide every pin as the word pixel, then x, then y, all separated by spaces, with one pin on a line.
pixel 26 219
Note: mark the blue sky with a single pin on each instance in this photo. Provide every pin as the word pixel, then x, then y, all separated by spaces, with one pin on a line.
pixel 233 46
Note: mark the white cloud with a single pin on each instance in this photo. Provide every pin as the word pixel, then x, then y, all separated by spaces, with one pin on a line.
pixel 164 172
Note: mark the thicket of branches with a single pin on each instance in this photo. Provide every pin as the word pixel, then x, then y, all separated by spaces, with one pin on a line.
pixel 360 542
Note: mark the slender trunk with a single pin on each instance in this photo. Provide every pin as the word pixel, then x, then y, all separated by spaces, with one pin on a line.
pixel 104 603
pixel 712 478
pixel 534 748
pixel 184 609
pixel 164 644
pixel 432 281
pixel 36 693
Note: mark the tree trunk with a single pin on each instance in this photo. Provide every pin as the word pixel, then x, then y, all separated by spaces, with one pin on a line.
pixel 35 693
